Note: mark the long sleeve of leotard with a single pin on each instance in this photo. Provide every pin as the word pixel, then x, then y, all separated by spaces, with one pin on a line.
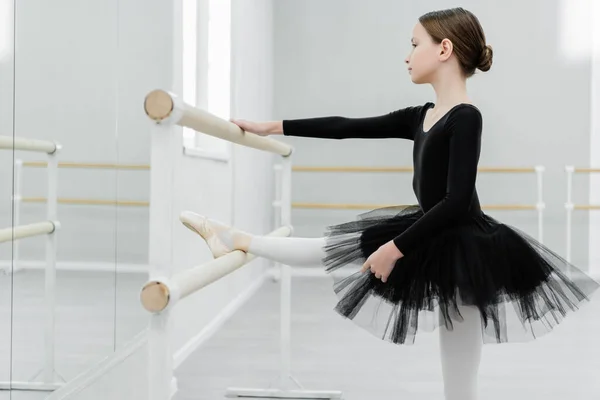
pixel 464 126
pixel 397 124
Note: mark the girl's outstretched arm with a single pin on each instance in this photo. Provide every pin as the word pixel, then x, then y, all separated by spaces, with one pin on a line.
pixel 397 124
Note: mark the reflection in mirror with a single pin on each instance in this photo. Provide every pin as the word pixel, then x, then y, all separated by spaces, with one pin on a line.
pixel 65 138
pixel 76 163
pixel 7 163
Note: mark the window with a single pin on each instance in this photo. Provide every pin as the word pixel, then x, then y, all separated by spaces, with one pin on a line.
pixel 215 80
pixel 576 29
pixel 190 63
pixel 6 23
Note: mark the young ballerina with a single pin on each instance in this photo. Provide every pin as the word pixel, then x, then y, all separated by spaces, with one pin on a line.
pixel 489 282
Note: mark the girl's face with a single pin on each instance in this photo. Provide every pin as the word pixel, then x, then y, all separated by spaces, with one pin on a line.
pixel 424 59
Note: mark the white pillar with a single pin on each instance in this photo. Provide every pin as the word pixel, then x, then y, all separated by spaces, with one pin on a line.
pixel 286 277
pixel 594 252
pixel 17 201
pixel 50 273
pixel 166 146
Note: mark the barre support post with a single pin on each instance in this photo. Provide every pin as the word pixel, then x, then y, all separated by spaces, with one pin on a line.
pixel 539 171
pixel 283 204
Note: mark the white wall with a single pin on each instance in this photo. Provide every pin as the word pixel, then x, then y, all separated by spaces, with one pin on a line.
pixel 346 57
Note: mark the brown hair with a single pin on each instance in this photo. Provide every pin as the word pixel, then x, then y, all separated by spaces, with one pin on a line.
pixel 463 29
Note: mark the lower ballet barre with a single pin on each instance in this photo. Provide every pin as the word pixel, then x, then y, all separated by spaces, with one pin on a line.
pixel 49 229
pixel 26 231
pixel 161 293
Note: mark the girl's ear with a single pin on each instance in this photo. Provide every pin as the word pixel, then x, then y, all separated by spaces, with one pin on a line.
pixel 446 48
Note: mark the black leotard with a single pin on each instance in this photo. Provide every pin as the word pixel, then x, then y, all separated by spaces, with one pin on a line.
pixel 445 159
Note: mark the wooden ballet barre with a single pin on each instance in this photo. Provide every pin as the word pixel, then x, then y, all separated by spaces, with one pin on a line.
pixel 514 207
pixel 303 168
pixel 513 170
pixel 166 108
pixel 24 231
pixel 158 294
pixel 95 202
pixel 586 170
pixel 351 169
pixel 341 206
pixel 42 146
pixel 42 164
pixel 586 207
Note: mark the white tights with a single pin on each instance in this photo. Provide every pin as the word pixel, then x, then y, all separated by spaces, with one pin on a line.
pixel 460 348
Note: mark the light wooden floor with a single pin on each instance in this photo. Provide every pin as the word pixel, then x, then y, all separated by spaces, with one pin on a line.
pixel 331 353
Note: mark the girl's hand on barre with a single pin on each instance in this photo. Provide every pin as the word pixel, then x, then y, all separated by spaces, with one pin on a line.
pixel 260 128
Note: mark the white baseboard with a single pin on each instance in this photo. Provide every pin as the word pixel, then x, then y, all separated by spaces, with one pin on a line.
pixel 78 266
pixel 308 272
pixel 135 268
pixel 595 268
pixel 213 326
pixel 87 378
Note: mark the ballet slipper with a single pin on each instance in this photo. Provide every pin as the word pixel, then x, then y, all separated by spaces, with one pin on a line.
pixel 218 236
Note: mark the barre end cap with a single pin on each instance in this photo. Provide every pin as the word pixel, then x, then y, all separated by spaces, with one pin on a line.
pixel 155 296
pixel 159 105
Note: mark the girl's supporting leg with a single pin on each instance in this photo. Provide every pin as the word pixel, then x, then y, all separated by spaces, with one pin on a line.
pixel 461 350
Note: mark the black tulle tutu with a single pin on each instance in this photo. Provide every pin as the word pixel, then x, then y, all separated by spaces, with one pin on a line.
pixel 521 288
